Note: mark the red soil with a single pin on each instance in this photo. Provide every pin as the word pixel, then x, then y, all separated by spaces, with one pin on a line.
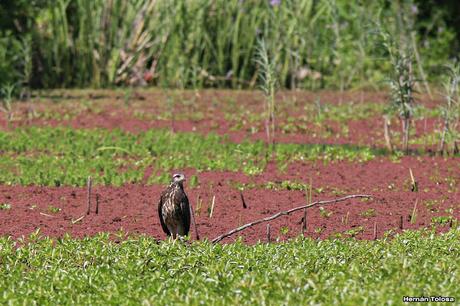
pixel 133 207
pixel 105 109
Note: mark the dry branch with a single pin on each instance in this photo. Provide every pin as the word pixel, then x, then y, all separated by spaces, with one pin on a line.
pixel 287 212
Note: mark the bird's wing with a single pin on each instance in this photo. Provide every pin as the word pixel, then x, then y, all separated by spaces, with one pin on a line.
pixel 185 215
pixel 160 214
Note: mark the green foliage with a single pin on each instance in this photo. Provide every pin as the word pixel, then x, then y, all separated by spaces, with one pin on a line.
pixel 140 270
pixel 64 156
pixel 315 44
pixel 6 96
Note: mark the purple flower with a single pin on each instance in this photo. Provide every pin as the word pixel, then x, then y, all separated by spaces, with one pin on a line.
pixel 275 2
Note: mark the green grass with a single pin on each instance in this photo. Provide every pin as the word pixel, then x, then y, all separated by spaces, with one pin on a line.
pixel 63 156
pixel 138 270
pixel 204 43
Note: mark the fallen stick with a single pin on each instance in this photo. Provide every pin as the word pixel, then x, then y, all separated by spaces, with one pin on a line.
pixel 89 183
pixel 46 215
pixel 287 212
pixel 77 220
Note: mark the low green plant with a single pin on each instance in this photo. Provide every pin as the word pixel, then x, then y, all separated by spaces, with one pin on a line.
pixel 354 231
pixel 324 212
pixel 64 156
pixel 5 206
pixel 368 213
pixel 53 209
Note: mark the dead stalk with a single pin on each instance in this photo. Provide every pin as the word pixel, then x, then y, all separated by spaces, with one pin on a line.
pixel 195 226
pixel 268 233
pixel 304 223
pixel 89 184
pixel 287 212
pixel 198 205
pixel 375 230
pixel 212 206
pixel 413 216
pixel 386 130
pixel 97 203
pixel 242 200
pixel 414 184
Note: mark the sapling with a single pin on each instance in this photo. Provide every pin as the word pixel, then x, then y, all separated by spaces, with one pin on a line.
pixel 402 83
pixel 268 80
pixel 6 102
pixel 450 110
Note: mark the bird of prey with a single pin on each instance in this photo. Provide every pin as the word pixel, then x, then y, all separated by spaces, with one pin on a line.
pixel 174 209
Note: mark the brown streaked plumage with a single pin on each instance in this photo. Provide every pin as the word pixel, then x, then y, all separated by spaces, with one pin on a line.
pixel 174 208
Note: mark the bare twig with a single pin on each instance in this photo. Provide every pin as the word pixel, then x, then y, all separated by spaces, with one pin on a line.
pixel 401 222
pixel 89 184
pixel 287 212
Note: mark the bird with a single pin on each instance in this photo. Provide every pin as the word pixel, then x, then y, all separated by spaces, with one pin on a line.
pixel 174 208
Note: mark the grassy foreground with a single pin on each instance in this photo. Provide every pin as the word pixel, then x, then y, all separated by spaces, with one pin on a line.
pixel 138 270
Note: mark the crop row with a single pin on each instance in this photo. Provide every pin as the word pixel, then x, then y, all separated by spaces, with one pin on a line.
pixel 63 156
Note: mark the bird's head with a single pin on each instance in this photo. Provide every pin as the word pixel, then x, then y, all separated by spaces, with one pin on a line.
pixel 178 178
